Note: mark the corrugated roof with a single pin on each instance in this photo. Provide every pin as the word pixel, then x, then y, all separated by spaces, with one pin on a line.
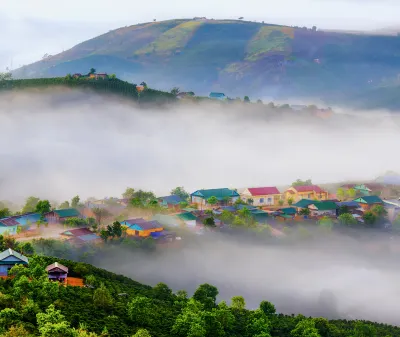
pixel 148 225
pixel 186 216
pixel 325 205
pixel 67 213
pixel 88 237
pixel 309 188
pixel 216 94
pixel 78 232
pixel 57 265
pixel 219 193
pixel 369 199
pixel 171 199
pixel 303 203
pixel 10 252
pixel 9 222
pixel 288 210
pixel 135 221
pixel 255 191
pixel 348 204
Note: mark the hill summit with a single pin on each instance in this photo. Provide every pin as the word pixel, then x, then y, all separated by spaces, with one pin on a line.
pixel 239 57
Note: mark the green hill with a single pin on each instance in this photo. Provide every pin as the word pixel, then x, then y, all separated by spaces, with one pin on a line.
pixel 238 57
pixel 114 305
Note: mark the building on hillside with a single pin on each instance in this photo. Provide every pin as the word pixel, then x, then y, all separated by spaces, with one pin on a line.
pixel 57 272
pixel 9 258
pixel 259 216
pixel 223 195
pixel 303 203
pixel 306 192
pixel 81 236
pixel 262 196
pixel 59 215
pixel 8 226
pixel 171 201
pixel 95 76
pixel 393 209
pixel 323 208
pixel 188 219
pixel 368 201
pixel 218 96
pixel 140 88
pixel 142 228
pixel 28 219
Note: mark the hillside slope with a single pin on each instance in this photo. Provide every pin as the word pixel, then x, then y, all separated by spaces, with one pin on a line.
pixel 235 56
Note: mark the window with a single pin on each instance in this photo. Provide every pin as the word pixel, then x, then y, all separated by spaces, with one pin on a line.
pixel 269 201
pixel 261 200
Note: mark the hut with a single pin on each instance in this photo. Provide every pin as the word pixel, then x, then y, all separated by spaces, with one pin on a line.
pixel 57 272
pixel 8 259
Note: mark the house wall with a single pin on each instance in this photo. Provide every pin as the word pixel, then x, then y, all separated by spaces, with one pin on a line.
pixel 10 230
pixel 142 233
pixel 4 269
pixel 297 196
pixel 52 218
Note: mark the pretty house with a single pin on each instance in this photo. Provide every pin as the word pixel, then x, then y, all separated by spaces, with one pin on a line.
pixel 306 192
pixel 262 196
pixel 223 195
pixel 8 259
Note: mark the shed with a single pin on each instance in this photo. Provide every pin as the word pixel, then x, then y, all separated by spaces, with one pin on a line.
pixel 188 218
pixel 8 226
pixel 57 272
pixel 62 214
pixel 8 259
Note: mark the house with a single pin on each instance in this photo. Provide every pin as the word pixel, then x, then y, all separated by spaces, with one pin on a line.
pixel 260 215
pixel 140 88
pixel 8 259
pixel 141 227
pixel 163 236
pixel 393 209
pixel 303 203
pixel 262 196
pixel 368 201
pixel 28 219
pixel 59 215
pixel 8 226
pixel 218 96
pixel 171 201
pixel 57 272
pixel 306 192
pixel 323 208
pixel 188 218
pixel 81 236
pixel 95 76
pixel 368 189
pixel 223 195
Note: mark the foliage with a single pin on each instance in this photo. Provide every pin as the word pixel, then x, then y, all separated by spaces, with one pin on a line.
pixel 300 182
pixel 351 192
pixel 75 201
pixel 212 200
pixel 5 212
pixel 325 222
pixel 246 99
pixel 64 205
pixel 369 218
pixel 290 201
pixel 344 209
pixel 30 205
pixel 340 193
pixel 209 222
pixel 129 193
pixel 347 219
pixel 102 297
pixel 75 222
pixel 227 217
pixel 305 211
pixel 180 192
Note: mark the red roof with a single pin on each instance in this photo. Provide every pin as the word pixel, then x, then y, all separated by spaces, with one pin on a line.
pixel 309 188
pixel 80 231
pixel 263 191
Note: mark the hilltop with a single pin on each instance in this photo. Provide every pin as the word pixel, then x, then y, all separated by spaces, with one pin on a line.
pixel 238 57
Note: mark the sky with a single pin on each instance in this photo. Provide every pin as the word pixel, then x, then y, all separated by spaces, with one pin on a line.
pixel 30 29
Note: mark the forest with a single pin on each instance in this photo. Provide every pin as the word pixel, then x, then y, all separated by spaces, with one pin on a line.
pixel 114 305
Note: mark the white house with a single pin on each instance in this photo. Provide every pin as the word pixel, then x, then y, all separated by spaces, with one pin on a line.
pixel 262 196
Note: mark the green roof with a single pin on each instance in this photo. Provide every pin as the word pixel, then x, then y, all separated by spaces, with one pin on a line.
pixel 186 216
pixel 189 209
pixel 303 203
pixel 219 193
pixel 325 205
pixel 10 252
pixel 67 213
pixel 288 210
pixel 369 199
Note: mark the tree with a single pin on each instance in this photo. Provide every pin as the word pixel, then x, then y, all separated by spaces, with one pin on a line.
pixel 141 311
pixel 347 219
pixel 259 101
pixel 212 200
pixel 102 297
pixel 246 99
pixel 64 205
pixel 379 211
pixel 52 323
pixel 43 207
pixel 239 221
pixel 326 222
pixel 142 333
pixel 162 292
pixel 305 328
pixel 250 201
pixel 227 217
pixel 351 192
pixel 144 84
pixel 92 71
pixel 369 218
pixel 112 77
pixel 5 212
pixel 175 91
pixel 290 201
pixel 300 182
pixel 117 229
pixel 30 205
pixel 268 308
pixel 209 222
pixel 180 192
pixel 364 330
pixel 26 248
pixel 75 201
pixel 90 280
pixel 100 213
pixel 104 234
pixel 340 193
pixel 305 211
pixel 129 193
pixel 344 209
pixel 207 295
pixel 238 302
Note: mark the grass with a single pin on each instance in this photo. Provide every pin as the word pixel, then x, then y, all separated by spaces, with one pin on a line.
pixel 173 39
pixel 269 39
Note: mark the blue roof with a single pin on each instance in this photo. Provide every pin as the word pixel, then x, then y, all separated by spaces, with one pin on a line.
pixel 348 204
pixel 250 208
pixel 217 94
pixel 88 237
pixel 32 218
pixel 171 199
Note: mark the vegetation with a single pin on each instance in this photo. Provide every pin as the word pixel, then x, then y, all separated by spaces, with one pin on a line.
pixel 115 305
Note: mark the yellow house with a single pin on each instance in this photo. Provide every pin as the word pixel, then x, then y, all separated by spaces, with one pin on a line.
pixel 141 227
pixel 312 192
pixel 262 196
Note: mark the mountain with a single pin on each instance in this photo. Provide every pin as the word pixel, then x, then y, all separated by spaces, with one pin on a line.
pixel 237 57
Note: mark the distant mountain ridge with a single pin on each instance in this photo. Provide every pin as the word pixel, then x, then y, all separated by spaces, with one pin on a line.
pixel 237 57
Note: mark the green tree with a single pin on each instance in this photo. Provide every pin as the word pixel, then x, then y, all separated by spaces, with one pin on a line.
pixel 43 207
pixel 370 218
pixel 250 201
pixel 162 292
pixel 351 192
pixel 209 222
pixel 300 182
pixel 129 193
pixel 281 202
pixel 104 234
pixel 100 214
pixel 239 221
pixel 305 211
pixel 30 205
pixel 190 322
pixel 212 200
pixel 347 219
pixel 206 294
pixel 340 194
pixel 326 222
pixel 175 91
pixel 305 328
pixel 26 248
pixel 290 201
pixel 246 99
pixel 4 212
pixel 379 211
pixel 90 280
pixel 238 302
pixel 227 217
pixel 344 209
pixel 92 71
pixel 64 205
pixel 180 192
pixel 142 333
pixel 364 330
pixel 75 201
pixel 52 323
pixel 141 311
pixel 267 308
pixel 258 325
pixel 102 297
pixel 9 317
pixel 117 229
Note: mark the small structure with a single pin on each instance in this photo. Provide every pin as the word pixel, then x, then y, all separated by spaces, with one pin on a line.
pixel 58 215
pixel 95 76
pixel 303 203
pixel 8 226
pixel 368 189
pixel 8 259
pixel 262 196
pixel 171 201
pixel 323 208
pixel 80 236
pixel 141 227
pixel 218 96
pixel 57 272
pixel 368 201
pixel 77 75
pixel 306 192
pixel 223 195
pixel 188 219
